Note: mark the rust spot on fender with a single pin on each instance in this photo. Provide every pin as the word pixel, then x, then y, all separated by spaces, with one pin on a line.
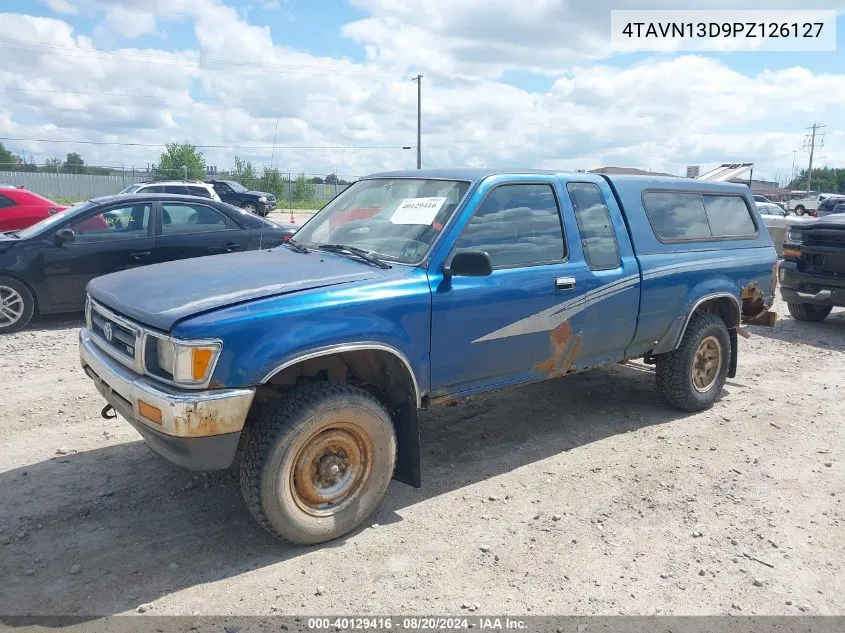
pixel 213 417
pixel 754 310
pixel 751 292
pixel 565 350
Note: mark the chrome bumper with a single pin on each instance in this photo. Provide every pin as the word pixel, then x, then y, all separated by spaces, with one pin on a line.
pixel 184 413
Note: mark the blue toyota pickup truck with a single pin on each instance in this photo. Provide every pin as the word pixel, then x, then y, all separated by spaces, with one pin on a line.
pixel 305 365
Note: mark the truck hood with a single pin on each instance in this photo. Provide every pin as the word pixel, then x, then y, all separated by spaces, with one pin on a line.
pixel 163 294
pixel 835 221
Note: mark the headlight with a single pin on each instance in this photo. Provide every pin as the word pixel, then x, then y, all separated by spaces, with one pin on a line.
pixel 184 362
pixel 794 234
pixel 262 198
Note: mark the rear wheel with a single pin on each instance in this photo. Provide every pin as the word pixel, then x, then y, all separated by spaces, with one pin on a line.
pixel 808 311
pixel 17 305
pixel 316 465
pixel 799 210
pixel 692 376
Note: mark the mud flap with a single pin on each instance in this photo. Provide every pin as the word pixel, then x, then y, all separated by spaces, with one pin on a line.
pixel 407 426
pixel 734 352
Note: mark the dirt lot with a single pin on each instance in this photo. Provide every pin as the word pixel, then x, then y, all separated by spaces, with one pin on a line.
pixel 582 495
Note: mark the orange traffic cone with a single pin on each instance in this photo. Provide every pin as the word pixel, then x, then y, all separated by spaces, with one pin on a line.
pixel 292 219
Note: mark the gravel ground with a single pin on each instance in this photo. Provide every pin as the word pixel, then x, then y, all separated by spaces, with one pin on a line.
pixel 582 495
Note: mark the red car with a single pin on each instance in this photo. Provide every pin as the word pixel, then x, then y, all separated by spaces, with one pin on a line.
pixel 20 208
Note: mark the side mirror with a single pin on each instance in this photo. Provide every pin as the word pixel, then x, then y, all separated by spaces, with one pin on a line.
pixel 65 236
pixel 469 264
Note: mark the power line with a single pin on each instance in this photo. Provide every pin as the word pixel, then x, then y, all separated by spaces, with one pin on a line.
pixel 168 96
pixel 125 144
pixel 167 60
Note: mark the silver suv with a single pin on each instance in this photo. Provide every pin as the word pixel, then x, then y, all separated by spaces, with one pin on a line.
pixel 182 187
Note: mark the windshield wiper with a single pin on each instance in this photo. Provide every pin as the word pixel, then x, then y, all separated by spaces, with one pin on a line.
pixel 360 252
pixel 299 248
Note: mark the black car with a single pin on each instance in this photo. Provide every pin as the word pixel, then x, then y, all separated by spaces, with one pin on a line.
pixel 258 202
pixel 45 268
pixel 831 205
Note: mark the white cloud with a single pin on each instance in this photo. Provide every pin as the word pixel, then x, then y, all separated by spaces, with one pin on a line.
pixel 129 23
pixel 488 37
pixel 61 6
pixel 662 113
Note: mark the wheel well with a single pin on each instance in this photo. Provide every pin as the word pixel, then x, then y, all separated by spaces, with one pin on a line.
pixel 723 307
pixel 382 373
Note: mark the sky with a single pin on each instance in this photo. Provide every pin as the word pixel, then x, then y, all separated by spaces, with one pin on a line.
pixel 504 84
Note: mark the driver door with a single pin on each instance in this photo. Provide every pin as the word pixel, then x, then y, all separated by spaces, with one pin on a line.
pixel 524 319
pixel 105 240
pixel 225 192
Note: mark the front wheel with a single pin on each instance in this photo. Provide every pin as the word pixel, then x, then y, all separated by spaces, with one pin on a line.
pixel 317 464
pixel 17 305
pixel 692 376
pixel 808 311
pixel 249 206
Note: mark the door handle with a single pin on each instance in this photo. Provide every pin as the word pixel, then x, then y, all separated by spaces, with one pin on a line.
pixel 564 283
pixel 139 255
pixel 231 246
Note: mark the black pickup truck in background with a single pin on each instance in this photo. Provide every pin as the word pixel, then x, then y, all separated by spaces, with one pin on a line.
pixel 234 193
pixel 812 273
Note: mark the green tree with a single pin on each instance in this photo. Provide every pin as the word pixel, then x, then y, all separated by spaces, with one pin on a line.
pixel 330 179
pixel 52 165
pixel 73 164
pixel 181 160
pixel 317 180
pixel 825 180
pixel 8 161
pixel 303 189
pixel 272 182
pixel 245 173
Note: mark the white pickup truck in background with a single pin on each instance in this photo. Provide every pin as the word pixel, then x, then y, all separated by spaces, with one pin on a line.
pixel 807 204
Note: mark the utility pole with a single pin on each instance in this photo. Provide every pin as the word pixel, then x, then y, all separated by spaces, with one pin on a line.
pixel 792 173
pixel 810 146
pixel 418 79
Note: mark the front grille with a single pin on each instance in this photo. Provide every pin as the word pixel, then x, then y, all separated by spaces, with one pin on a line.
pixel 114 334
pixel 825 264
pixel 825 237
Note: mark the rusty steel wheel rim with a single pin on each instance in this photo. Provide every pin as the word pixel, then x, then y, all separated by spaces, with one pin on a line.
pixel 707 364
pixel 331 469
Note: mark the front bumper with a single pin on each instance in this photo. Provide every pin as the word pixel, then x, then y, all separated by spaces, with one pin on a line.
pixel 199 430
pixel 798 287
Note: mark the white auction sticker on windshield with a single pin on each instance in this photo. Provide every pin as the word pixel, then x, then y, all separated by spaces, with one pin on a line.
pixel 417 210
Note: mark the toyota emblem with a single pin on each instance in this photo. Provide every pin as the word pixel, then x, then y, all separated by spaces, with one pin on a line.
pixel 107 332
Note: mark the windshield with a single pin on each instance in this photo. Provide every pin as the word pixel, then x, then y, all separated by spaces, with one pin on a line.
pixel 47 223
pixel 394 218
pixel 236 186
pixel 131 189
